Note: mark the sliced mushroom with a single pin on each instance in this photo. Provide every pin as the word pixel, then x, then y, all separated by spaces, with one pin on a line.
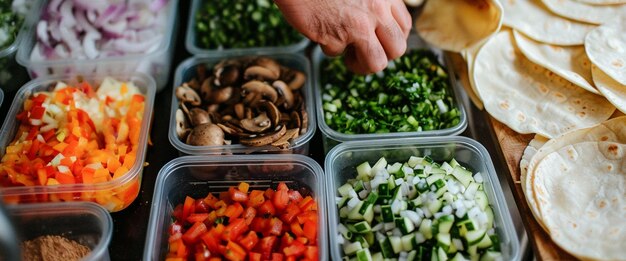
pixel 230 130
pixel 184 93
pixel 221 95
pixel 261 88
pixel 305 121
pixel 295 122
pixel 206 88
pixel 198 116
pixel 226 72
pixel 283 142
pixel 201 72
pixel 297 81
pixel 240 111
pixel 265 140
pixel 215 116
pixel 207 134
pixel 182 128
pixel 260 73
pixel 248 113
pixel 285 93
pixel 269 64
pixel 194 84
pixel 272 111
pixel 213 108
pixel 257 124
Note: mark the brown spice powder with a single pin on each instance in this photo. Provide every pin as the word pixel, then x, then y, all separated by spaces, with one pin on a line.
pixel 53 248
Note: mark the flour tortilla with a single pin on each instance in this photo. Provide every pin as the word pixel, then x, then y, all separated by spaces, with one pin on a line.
pixel 613 130
pixel 602 2
pixel 611 89
pixel 569 62
pixel 581 193
pixel 533 19
pixel 528 98
pixel 454 25
pixel 462 74
pixel 533 147
pixel 595 14
pixel 606 47
pixel 469 55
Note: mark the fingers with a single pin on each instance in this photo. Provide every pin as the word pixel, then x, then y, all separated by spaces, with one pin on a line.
pixel 392 39
pixel 402 16
pixel 352 62
pixel 369 55
pixel 333 49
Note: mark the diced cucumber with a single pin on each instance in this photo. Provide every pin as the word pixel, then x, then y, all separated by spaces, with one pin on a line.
pixel 386 248
pixel 485 242
pixel 462 175
pixel 369 214
pixel 381 164
pixel 396 244
pixel 491 256
pixel 414 161
pixel 362 227
pixel 378 256
pixel 350 248
pixel 363 255
pixel 459 257
pixel 354 213
pixel 361 240
pixel 454 163
pixel 405 225
pixel 408 242
pixel 386 213
pixel 445 223
pixel 364 170
pixel 341 202
pixel 475 236
pixel 358 185
pixel 444 241
pixel 343 212
pixel 481 199
pixel 426 229
pixel 344 190
pixel 496 243
pixel 395 168
pixel 441 254
pixel 433 178
pixel 470 191
pixel 489 213
pixel 435 206
pixel 412 256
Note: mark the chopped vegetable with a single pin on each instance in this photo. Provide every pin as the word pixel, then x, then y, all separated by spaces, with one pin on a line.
pixel 418 210
pixel 77 135
pixel 242 24
pixel 11 18
pixel 246 224
pixel 412 94
pixel 83 29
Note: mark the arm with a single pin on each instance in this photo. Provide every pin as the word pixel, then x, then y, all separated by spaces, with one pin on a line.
pixel 368 32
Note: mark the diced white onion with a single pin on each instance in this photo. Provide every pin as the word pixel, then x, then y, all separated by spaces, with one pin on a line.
pixel 377 209
pixel 396 232
pixel 363 194
pixel 474 212
pixel 460 212
pixel 399 181
pixel 342 229
pixel 340 240
pixel 389 226
pixel 419 238
pixel 439 214
pixel 478 177
pixel 352 193
pixel 447 210
pixel 63 169
pixel 458 243
pixel 353 202
pixel 377 227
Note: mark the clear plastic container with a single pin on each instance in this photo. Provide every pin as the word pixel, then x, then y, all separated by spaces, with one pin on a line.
pixel 341 163
pixel 13 75
pixel 195 49
pixel 86 223
pixel 332 137
pixel 1 98
pixel 196 176
pixel 114 195
pixel 187 71
pixel 157 63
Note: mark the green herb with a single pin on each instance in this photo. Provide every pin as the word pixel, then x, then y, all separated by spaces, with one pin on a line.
pixel 242 24
pixel 10 23
pixel 412 94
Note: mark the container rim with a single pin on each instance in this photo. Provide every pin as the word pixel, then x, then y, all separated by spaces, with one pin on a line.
pixel 16 107
pixel 1 97
pixel 195 50
pixel 23 54
pixel 318 56
pixel 169 168
pixel 191 62
pixel 76 207
pixel 498 202
pixel 12 48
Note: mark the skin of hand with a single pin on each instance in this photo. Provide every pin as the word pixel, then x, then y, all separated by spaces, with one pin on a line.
pixel 368 32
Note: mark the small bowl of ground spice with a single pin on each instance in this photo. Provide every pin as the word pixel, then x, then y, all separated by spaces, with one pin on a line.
pixel 62 231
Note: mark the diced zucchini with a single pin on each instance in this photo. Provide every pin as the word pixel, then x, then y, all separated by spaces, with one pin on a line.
pixel 435 206
pixel 470 191
pixel 361 240
pixel 396 244
pixel 378 256
pixel 358 185
pixel 459 257
pixel 344 190
pixel 362 227
pixel 433 254
pixel 481 200
pixel 369 214
pixel 414 161
pixel 491 256
pixel 441 190
pixel 363 255
pixel 445 223
pixel 383 190
pixel 364 170
pixel 444 241
pixel 496 243
pixel 354 213
pixel 426 229
pixel 473 251
pixel 454 163
pixel 408 242
pixel 462 175
pixel 342 202
pixel 485 242
pixel 381 164
pixel 475 236
pixel 351 248
pixel 489 213
pixel 405 225
pixel 343 212
pixel 433 178
pixel 441 254
pixel 395 168
pixel 412 256
pixel 422 252
pixel 386 213
pixel 385 248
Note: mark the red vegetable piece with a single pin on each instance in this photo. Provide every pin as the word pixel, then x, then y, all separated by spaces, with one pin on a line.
pixel 187 208
pixel 267 208
pixel 249 241
pixel 275 227
pixel 237 195
pixel 235 228
pixel 194 232
pixel 295 249
pixel 281 199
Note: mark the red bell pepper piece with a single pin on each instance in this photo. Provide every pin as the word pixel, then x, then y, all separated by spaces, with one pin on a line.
pixel 295 249
pixel 281 199
pixel 237 195
pixel 249 241
pixel 234 252
pixel 275 227
pixel 267 208
pixel 193 234
pixel 235 228
pixel 188 208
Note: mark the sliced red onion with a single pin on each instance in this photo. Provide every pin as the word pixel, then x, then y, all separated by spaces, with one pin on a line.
pixel 67 16
pixel 53 6
pixel 89 5
pixel 42 32
pixel 137 47
pixel 89 45
pixel 157 5
pixel 60 51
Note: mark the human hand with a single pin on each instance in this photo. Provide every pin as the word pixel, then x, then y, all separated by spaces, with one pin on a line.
pixel 368 32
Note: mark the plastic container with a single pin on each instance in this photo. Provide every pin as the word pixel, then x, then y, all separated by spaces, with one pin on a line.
pixel 157 63
pixel 195 49
pixel 341 163
pixel 187 71
pixel 106 194
pixel 1 98
pixel 86 223
pixel 13 75
pixel 196 176
pixel 332 137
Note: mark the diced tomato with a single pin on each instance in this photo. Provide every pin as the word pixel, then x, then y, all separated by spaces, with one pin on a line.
pixel 197 217
pixel 187 207
pixel 277 257
pixel 256 198
pixel 290 213
pixel 249 241
pixel 267 208
pixel 254 256
pixel 311 253
pixel 295 249
pixel 234 252
pixel 266 246
pixel 296 229
pixel 275 227
pixel 307 216
pixel 249 215
pixel 234 210
pixel 36 113
pixel 193 234
pixel 280 199
pixel 310 230
pixel 307 204
pixel 235 228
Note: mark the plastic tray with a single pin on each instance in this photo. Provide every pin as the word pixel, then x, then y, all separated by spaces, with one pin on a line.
pixel 341 162
pixel 13 75
pixel 101 193
pixel 157 63
pixel 192 46
pixel 196 176
pixel 86 223
pixel 186 71
pixel 332 137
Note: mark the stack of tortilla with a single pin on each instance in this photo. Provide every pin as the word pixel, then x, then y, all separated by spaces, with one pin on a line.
pixel 555 68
